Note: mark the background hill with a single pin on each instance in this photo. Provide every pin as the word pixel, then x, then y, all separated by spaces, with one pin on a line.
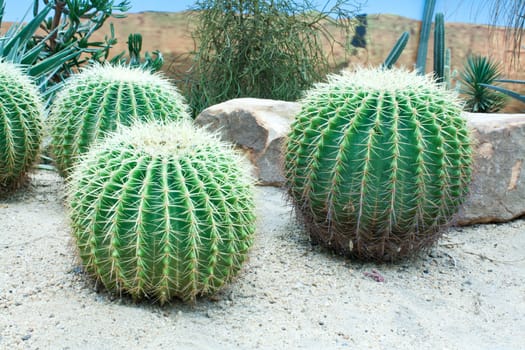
pixel 171 34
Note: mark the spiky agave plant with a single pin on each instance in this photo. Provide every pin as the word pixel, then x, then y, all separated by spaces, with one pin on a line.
pixel 101 97
pixel 20 125
pixel 377 161
pixel 478 72
pixel 162 211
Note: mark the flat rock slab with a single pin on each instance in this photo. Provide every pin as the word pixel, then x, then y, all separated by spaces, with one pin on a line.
pixel 497 192
pixel 259 127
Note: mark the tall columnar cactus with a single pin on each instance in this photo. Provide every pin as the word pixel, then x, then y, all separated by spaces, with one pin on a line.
pixel 377 161
pixel 396 51
pixel 439 48
pixel 447 74
pixel 162 211
pixel 95 101
pixel 424 35
pixel 20 125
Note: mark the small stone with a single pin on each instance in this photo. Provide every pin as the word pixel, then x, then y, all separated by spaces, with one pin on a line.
pixel 76 270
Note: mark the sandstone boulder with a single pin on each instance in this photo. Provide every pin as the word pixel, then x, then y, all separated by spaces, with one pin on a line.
pixel 498 184
pixel 258 126
pixel 497 192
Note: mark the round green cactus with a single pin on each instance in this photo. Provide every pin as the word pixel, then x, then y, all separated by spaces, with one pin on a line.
pixel 377 162
pixel 161 211
pixel 101 97
pixel 20 125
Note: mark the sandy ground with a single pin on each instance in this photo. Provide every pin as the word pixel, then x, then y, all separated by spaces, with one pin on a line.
pixel 468 293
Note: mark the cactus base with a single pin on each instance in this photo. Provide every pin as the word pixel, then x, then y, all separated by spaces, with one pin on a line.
pixel 371 246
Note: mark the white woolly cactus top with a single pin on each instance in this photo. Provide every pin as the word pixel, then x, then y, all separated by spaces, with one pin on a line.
pixel 108 72
pixel 386 80
pixel 165 139
pixel 157 138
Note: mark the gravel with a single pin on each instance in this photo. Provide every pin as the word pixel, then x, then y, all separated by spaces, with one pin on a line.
pixel 467 293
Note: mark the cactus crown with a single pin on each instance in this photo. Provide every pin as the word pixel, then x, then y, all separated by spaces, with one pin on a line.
pixel 120 73
pixel 162 210
pixel 154 139
pixel 20 124
pixel 396 81
pixel 102 97
pixel 377 161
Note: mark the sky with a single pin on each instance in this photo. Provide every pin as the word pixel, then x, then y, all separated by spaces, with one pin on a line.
pixel 469 11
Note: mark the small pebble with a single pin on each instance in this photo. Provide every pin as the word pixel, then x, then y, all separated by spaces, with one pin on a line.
pixel 76 270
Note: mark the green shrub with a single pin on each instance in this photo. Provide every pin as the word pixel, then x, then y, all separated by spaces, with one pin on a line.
pixel 377 162
pixel 102 97
pixel 264 49
pixel 162 211
pixel 20 125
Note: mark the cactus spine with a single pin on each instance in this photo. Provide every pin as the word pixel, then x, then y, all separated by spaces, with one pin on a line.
pixel 162 211
pixel 95 101
pixel 377 161
pixel 20 125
